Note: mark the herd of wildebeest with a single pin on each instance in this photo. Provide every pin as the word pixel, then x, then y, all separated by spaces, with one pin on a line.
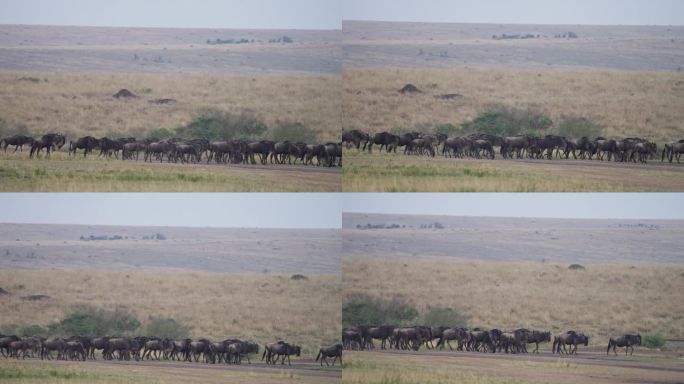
pixel 176 150
pixel 476 340
pixel 82 348
pixel 481 145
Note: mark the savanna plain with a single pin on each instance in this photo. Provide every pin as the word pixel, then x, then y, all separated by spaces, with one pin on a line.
pixel 256 285
pixel 184 84
pixel 613 82
pixel 591 276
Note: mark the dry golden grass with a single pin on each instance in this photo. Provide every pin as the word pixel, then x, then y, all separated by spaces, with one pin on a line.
pixel 602 300
pixel 262 307
pixel 628 103
pixel 82 104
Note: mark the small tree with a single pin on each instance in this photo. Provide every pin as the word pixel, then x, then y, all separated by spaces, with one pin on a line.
pixel 445 316
pixel 367 310
pixel 571 126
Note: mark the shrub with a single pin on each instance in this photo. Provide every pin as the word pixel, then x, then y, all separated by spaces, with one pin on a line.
pixel 92 321
pixel 161 134
pixel 578 127
pixel 502 120
pixel 167 328
pixel 444 316
pixel 32 330
pixel 366 310
pixel 653 341
pixel 448 129
pixel 223 125
pixel 294 132
pixel 576 267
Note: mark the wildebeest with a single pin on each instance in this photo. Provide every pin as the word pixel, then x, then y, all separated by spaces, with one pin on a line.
pixel 571 338
pixel 17 140
pixel 355 138
pixel 352 339
pixel 86 143
pixel 334 351
pixel 384 139
pixel 673 151
pixel 382 332
pixel 49 141
pixel 273 351
pixel 627 341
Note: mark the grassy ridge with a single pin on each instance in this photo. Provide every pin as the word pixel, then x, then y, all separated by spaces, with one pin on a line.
pixel 262 307
pixel 62 173
pixel 382 172
pixel 602 300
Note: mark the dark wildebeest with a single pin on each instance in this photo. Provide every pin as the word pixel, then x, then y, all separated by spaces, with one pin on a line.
pixel 97 343
pixel 571 338
pixel 17 140
pixel 537 337
pixel 74 350
pixel 5 342
pixel 673 151
pixel 87 144
pixel 155 348
pixel 180 350
pixel 262 148
pixel 356 138
pixel 159 149
pixel 517 144
pixel 604 146
pixel 627 341
pixel 458 334
pixel 334 351
pixel 133 149
pixel 382 332
pixel 273 351
pixel 480 341
pixel 333 154
pixel 352 339
pixel 50 142
pixel 50 345
pixel 317 151
pixel 385 139
pixel 201 347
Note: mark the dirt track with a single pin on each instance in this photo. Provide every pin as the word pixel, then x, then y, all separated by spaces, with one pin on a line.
pixel 302 370
pixel 594 366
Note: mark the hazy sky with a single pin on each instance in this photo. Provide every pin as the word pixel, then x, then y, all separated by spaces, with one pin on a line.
pixel 604 12
pixel 289 14
pixel 561 205
pixel 262 210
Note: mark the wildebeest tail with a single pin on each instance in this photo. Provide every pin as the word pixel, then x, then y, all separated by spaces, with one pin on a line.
pixel 610 344
pixel 319 354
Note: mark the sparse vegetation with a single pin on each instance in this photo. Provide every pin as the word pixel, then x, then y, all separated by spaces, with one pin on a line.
pixel 599 301
pixel 368 310
pixel 294 132
pixel 438 316
pixel 653 341
pixel 165 327
pixel 308 311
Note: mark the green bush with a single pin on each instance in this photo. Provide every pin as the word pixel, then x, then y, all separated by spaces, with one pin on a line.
pixel 448 129
pixel 294 132
pixel 161 134
pixel 223 125
pixel 577 127
pixel 366 310
pixel 167 328
pixel 92 321
pixel 502 120
pixel 435 317
pixel 653 341
pixel 32 330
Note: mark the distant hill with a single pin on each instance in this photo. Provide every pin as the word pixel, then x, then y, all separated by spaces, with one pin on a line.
pixel 452 45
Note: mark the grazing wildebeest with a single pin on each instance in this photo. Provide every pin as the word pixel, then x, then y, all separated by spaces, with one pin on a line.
pixel 86 143
pixel 334 351
pixel 273 351
pixel 17 140
pixel 50 142
pixel 627 341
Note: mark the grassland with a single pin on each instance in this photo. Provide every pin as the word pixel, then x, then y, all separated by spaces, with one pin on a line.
pixel 382 172
pixel 626 103
pixel 79 104
pixel 262 307
pixel 448 368
pixel 603 300
pixel 62 173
